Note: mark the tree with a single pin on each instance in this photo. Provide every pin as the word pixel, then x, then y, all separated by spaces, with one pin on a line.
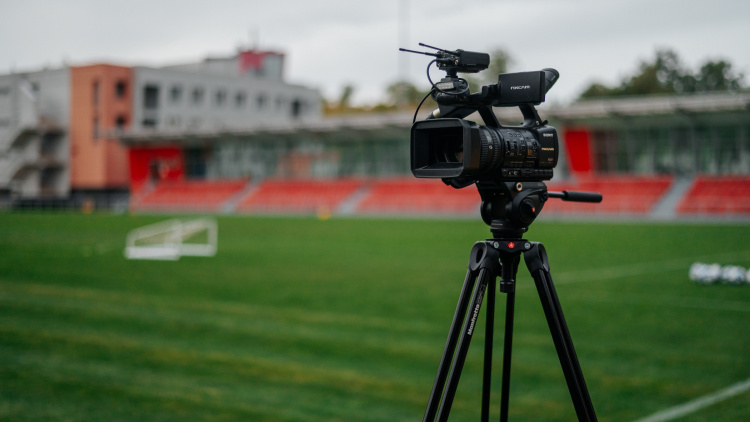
pixel 665 74
pixel 500 61
pixel 346 97
pixel 658 77
pixel 718 76
pixel 403 93
pixel 598 90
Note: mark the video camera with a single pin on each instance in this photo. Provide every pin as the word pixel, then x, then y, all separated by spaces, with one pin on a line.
pixel 508 165
pixel 462 152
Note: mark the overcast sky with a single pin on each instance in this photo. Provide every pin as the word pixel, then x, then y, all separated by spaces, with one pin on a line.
pixel 331 43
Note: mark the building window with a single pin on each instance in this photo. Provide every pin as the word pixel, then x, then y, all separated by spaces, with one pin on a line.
pixel 197 95
pixel 195 122
pixel 151 97
pixel 239 99
pixel 95 133
pixel 121 89
pixel 121 122
pixel 261 100
pixel 221 97
pixel 195 163
pixel 95 93
pixel 297 107
pixel 175 94
pixel 149 123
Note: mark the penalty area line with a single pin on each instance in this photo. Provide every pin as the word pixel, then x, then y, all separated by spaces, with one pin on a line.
pixel 699 403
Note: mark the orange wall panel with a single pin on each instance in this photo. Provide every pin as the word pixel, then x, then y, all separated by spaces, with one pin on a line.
pixel 101 97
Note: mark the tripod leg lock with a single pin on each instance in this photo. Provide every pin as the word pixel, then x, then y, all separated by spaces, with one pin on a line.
pixel 483 255
pixel 536 258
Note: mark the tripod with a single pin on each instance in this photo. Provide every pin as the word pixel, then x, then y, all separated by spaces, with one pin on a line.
pixel 509 208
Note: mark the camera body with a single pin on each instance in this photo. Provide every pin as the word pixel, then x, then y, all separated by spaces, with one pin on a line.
pixel 449 148
pixel 461 152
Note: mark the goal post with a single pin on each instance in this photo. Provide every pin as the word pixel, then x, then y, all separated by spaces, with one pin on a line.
pixel 172 239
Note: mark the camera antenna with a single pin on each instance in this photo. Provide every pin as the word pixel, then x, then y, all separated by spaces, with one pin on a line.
pixel 453 62
pixel 435 48
pixel 429 54
pixel 418 52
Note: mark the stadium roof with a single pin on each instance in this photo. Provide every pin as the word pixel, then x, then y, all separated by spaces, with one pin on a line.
pixel 649 110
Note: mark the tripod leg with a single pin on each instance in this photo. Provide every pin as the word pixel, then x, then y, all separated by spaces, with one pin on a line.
pixel 484 266
pixel 508 347
pixel 508 285
pixel 536 261
pixel 488 337
pixel 463 344
pixel 450 346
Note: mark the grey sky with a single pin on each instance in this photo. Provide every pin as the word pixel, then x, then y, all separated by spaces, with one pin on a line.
pixel 330 43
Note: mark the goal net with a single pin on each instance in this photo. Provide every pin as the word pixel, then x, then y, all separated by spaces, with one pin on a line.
pixel 172 239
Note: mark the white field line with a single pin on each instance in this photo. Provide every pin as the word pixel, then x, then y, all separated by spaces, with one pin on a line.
pixel 629 270
pixel 621 271
pixel 699 403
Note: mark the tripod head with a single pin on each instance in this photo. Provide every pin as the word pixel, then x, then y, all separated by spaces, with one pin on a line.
pixel 509 208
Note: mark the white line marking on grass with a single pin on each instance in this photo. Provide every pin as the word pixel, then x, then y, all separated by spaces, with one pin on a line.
pixel 641 268
pixel 699 403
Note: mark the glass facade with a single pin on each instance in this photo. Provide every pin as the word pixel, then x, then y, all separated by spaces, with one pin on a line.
pixel 320 157
pixel 678 150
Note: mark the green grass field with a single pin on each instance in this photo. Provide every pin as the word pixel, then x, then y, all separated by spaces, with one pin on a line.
pixel 300 319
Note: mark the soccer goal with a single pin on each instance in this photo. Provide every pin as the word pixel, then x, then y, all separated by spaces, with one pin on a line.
pixel 172 239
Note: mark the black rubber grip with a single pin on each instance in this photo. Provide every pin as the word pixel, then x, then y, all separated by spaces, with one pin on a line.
pixel 581 196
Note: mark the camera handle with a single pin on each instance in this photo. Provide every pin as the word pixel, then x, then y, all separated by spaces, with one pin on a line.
pixel 454 103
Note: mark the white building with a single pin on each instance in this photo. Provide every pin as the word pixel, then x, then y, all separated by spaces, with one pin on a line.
pixel 60 128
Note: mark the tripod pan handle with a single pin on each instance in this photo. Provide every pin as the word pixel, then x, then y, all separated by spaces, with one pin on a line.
pixel 577 196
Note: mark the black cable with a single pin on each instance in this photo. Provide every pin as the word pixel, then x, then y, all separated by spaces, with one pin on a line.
pixel 420 105
pixel 436 89
pixel 428 73
pixel 440 90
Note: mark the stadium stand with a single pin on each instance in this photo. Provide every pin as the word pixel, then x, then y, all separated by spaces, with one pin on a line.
pixel 717 195
pixel 623 194
pixel 418 196
pixel 188 195
pixel 299 196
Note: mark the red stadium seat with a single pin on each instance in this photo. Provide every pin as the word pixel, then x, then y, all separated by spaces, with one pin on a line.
pixel 717 195
pixel 623 194
pixel 299 196
pixel 418 196
pixel 188 195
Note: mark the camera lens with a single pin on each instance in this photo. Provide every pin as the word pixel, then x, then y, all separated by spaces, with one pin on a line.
pixel 491 147
pixel 451 150
pixel 445 148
